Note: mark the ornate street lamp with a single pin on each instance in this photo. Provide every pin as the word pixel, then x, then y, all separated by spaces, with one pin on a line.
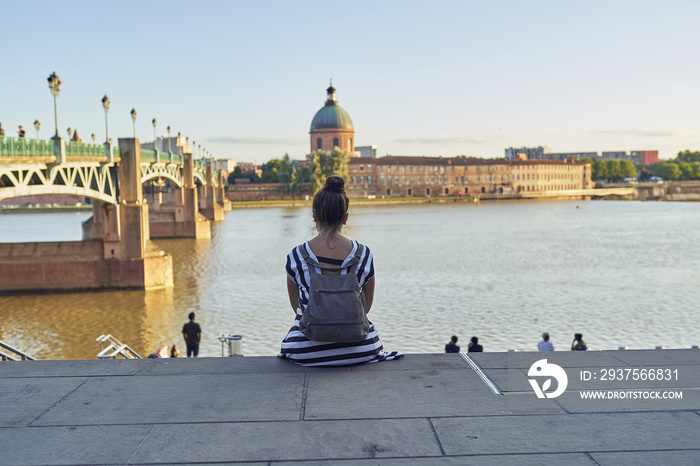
pixel 155 140
pixel 105 104
pixel 133 117
pixel 169 146
pixel 70 132
pixel 55 86
pixel 93 138
pixel 37 125
pixel 200 149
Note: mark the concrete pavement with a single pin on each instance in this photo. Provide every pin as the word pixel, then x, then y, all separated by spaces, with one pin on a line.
pixel 429 409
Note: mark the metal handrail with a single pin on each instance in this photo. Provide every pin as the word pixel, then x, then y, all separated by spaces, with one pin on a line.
pixel 15 352
pixel 114 348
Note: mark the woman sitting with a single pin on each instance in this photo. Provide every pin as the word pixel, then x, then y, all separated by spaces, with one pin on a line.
pixel 578 343
pixel 330 249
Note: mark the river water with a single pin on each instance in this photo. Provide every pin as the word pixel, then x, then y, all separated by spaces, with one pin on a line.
pixel 622 273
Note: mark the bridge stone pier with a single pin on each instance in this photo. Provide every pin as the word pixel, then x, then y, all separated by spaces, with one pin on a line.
pixel 212 194
pixel 116 254
pixel 181 218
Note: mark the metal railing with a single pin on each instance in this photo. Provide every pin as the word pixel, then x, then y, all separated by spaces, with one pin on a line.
pixel 26 147
pixel 41 147
pixel 15 354
pixel 111 348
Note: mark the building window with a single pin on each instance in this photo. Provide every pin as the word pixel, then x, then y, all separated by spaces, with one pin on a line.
pixel 466 179
pixel 362 179
pixel 369 179
pixel 397 179
pixel 404 179
pixel 369 167
pixel 447 191
pixel 388 169
pixel 319 144
pixel 353 179
pixel 419 180
pixel 388 192
pixel 427 192
pixel 411 181
pixel 336 142
pixel 410 192
pixel 354 168
pixel 383 181
pixel 362 167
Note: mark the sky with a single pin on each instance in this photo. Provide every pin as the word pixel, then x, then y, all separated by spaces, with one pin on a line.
pixel 244 79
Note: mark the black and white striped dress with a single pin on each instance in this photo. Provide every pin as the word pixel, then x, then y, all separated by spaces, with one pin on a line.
pixel 299 349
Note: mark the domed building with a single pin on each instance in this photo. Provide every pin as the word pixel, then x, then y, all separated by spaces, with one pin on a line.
pixel 332 127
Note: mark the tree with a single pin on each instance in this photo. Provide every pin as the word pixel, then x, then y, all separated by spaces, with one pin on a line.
pixel 687 156
pixel 667 170
pixel 285 174
pixel 295 184
pixel 600 170
pixel 645 173
pixel 627 169
pixel 325 164
pixel 696 170
pixel 269 171
pixel 686 170
pixel 614 170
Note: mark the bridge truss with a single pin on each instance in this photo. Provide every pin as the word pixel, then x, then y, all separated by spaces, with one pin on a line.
pixel 89 179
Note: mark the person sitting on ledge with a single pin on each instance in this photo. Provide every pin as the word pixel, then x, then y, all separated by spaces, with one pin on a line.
pixel 474 346
pixel 545 344
pixel 578 343
pixel 330 249
pixel 452 347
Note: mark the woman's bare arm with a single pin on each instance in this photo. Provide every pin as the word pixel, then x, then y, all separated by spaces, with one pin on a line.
pixel 369 294
pixel 293 291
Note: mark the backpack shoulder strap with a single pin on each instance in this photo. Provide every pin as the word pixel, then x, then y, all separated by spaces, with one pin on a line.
pixel 357 257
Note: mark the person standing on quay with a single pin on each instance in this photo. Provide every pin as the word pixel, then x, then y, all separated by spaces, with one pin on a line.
pixel 2 131
pixel 21 132
pixel 193 334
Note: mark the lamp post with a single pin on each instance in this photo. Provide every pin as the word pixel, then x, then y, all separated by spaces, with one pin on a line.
pixel 93 138
pixel 37 125
pixel 70 132
pixel 133 117
pixel 55 86
pixel 199 147
pixel 105 104
pixel 169 145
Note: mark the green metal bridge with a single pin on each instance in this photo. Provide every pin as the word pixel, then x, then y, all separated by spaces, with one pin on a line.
pixel 31 167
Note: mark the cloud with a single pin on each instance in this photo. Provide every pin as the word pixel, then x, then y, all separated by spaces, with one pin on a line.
pixel 644 133
pixel 252 140
pixel 444 139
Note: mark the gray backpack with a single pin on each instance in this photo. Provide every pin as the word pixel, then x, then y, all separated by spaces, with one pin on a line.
pixel 336 309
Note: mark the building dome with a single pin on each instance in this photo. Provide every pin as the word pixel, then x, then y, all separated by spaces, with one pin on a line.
pixel 332 115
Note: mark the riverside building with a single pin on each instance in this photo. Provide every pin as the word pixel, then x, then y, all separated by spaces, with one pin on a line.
pixel 406 176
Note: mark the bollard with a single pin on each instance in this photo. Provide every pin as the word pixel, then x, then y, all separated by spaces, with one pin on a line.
pixel 234 345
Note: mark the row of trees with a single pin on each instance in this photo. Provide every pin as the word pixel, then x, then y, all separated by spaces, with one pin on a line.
pixel 612 170
pixel 292 178
pixel 684 167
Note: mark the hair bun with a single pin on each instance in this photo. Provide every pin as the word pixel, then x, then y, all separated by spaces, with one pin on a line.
pixel 335 184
